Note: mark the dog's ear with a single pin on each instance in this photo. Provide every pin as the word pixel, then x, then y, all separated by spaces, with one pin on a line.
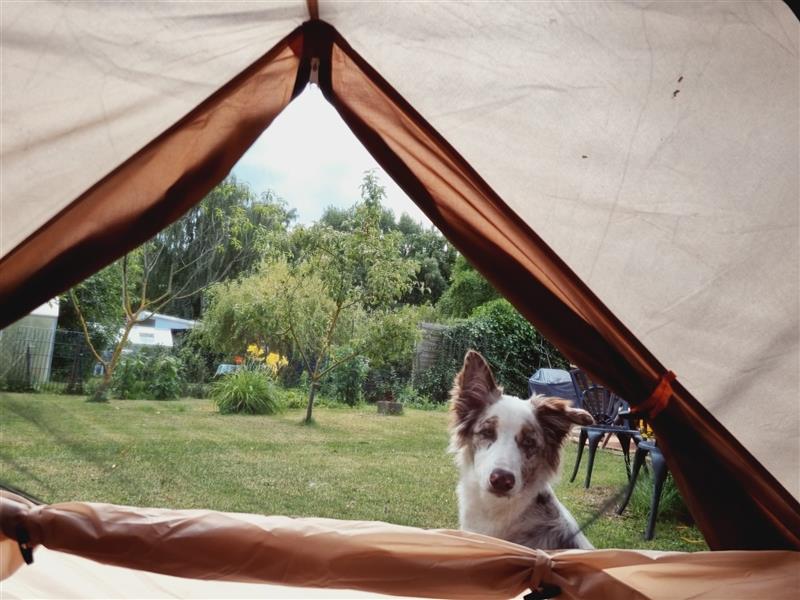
pixel 557 416
pixel 473 389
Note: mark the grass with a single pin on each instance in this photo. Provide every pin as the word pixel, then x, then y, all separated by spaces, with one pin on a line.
pixel 352 464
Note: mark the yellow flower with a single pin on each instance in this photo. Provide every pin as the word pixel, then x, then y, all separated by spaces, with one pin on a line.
pixel 275 361
pixel 255 352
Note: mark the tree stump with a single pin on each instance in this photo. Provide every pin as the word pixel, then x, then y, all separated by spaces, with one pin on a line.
pixel 389 407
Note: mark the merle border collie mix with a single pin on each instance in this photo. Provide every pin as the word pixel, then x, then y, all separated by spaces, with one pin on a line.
pixel 508 451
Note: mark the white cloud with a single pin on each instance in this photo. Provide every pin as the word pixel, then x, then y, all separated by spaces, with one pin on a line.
pixel 309 157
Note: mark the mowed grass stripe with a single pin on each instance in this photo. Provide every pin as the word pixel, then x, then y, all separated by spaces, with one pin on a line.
pixel 351 464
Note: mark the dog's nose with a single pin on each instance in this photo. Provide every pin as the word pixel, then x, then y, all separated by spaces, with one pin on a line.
pixel 501 480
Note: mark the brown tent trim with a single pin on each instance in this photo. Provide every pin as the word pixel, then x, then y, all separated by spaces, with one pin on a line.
pixel 720 480
pixel 373 557
pixel 152 189
pixel 722 483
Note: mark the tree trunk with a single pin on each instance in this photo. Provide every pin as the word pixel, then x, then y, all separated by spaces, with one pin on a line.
pixel 101 393
pixel 312 390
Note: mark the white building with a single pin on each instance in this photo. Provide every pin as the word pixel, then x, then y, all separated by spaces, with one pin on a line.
pixel 158 330
pixel 26 347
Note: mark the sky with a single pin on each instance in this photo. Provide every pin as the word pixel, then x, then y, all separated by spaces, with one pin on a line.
pixel 309 157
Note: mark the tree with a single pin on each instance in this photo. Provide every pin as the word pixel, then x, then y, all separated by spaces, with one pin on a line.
pixel 427 246
pixel 175 266
pixel 326 297
pixel 98 300
pixel 238 226
pixel 468 290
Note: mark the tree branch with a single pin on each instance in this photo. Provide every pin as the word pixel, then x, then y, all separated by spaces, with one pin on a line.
pixel 77 306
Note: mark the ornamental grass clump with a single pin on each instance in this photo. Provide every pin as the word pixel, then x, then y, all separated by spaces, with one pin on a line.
pixel 251 389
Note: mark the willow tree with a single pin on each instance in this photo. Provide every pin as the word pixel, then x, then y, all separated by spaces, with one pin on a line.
pixel 222 236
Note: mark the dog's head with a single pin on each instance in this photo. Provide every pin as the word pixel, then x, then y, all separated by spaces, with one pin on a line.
pixel 510 443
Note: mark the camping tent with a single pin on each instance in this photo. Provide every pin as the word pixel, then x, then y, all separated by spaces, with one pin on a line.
pixel 625 173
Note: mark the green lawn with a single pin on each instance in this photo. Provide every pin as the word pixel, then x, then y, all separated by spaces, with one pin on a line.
pixel 351 464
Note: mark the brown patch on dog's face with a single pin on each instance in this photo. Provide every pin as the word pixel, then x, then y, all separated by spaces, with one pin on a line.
pixel 484 433
pixel 474 388
pixel 529 440
pixel 556 417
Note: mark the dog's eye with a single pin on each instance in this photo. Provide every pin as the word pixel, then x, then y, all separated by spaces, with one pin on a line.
pixel 528 442
pixel 487 433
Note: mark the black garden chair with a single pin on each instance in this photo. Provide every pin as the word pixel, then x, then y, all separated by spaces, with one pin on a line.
pixel 659 465
pixel 605 407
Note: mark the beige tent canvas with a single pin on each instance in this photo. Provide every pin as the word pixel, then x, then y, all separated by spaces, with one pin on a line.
pixel 625 173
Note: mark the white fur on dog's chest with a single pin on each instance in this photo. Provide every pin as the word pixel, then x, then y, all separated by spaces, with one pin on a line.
pixel 488 515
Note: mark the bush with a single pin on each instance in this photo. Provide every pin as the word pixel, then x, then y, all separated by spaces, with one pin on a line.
pixel 165 378
pixel 147 375
pixel 344 383
pixel 198 363
pixel 294 398
pixel 512 346
pixel 381 384
pixel 127 381
pixel 248 391
pixel 196 390
pixel 92 385
pixel 468 290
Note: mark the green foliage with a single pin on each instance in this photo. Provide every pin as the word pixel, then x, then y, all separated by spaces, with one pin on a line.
pixel 320 297
pixel 671 505
pixel 222 237
pixel 198 361
pixel 197 390
pixel 344 384
pixel 164 381
pixel 393 337
pixel 505 338
pixel 147 374
pixel 247 391
pixel 93 385
pixel 99 299
pixel 128 380
pixel 427 247
pixel 382 384
pixel 468 290
pixel 293 398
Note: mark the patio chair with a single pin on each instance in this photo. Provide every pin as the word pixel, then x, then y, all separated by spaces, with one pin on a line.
pixel 605 408
pixel 659 464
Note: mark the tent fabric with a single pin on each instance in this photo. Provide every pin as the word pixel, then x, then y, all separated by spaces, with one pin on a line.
pixel 526 271
pixel 683 216
pixel 52 576
pixel 686 115
pixel 84 91
pixel 151 189
pixel 327 553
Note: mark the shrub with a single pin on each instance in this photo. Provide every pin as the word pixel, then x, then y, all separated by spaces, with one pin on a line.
pixel 344 383
pixel 294 397
pixel 468 290
pixel 91 387
pixel 248 391
pixel 164 381
pixel 127 380
pixel 505 338
pixel 147 374
pixel 196 390
pixel 198 362
pixel 381 384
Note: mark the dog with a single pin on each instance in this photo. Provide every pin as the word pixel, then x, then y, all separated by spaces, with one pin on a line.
pixel 508 453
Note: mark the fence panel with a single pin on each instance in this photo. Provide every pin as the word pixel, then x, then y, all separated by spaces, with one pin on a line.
pixel 42 359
